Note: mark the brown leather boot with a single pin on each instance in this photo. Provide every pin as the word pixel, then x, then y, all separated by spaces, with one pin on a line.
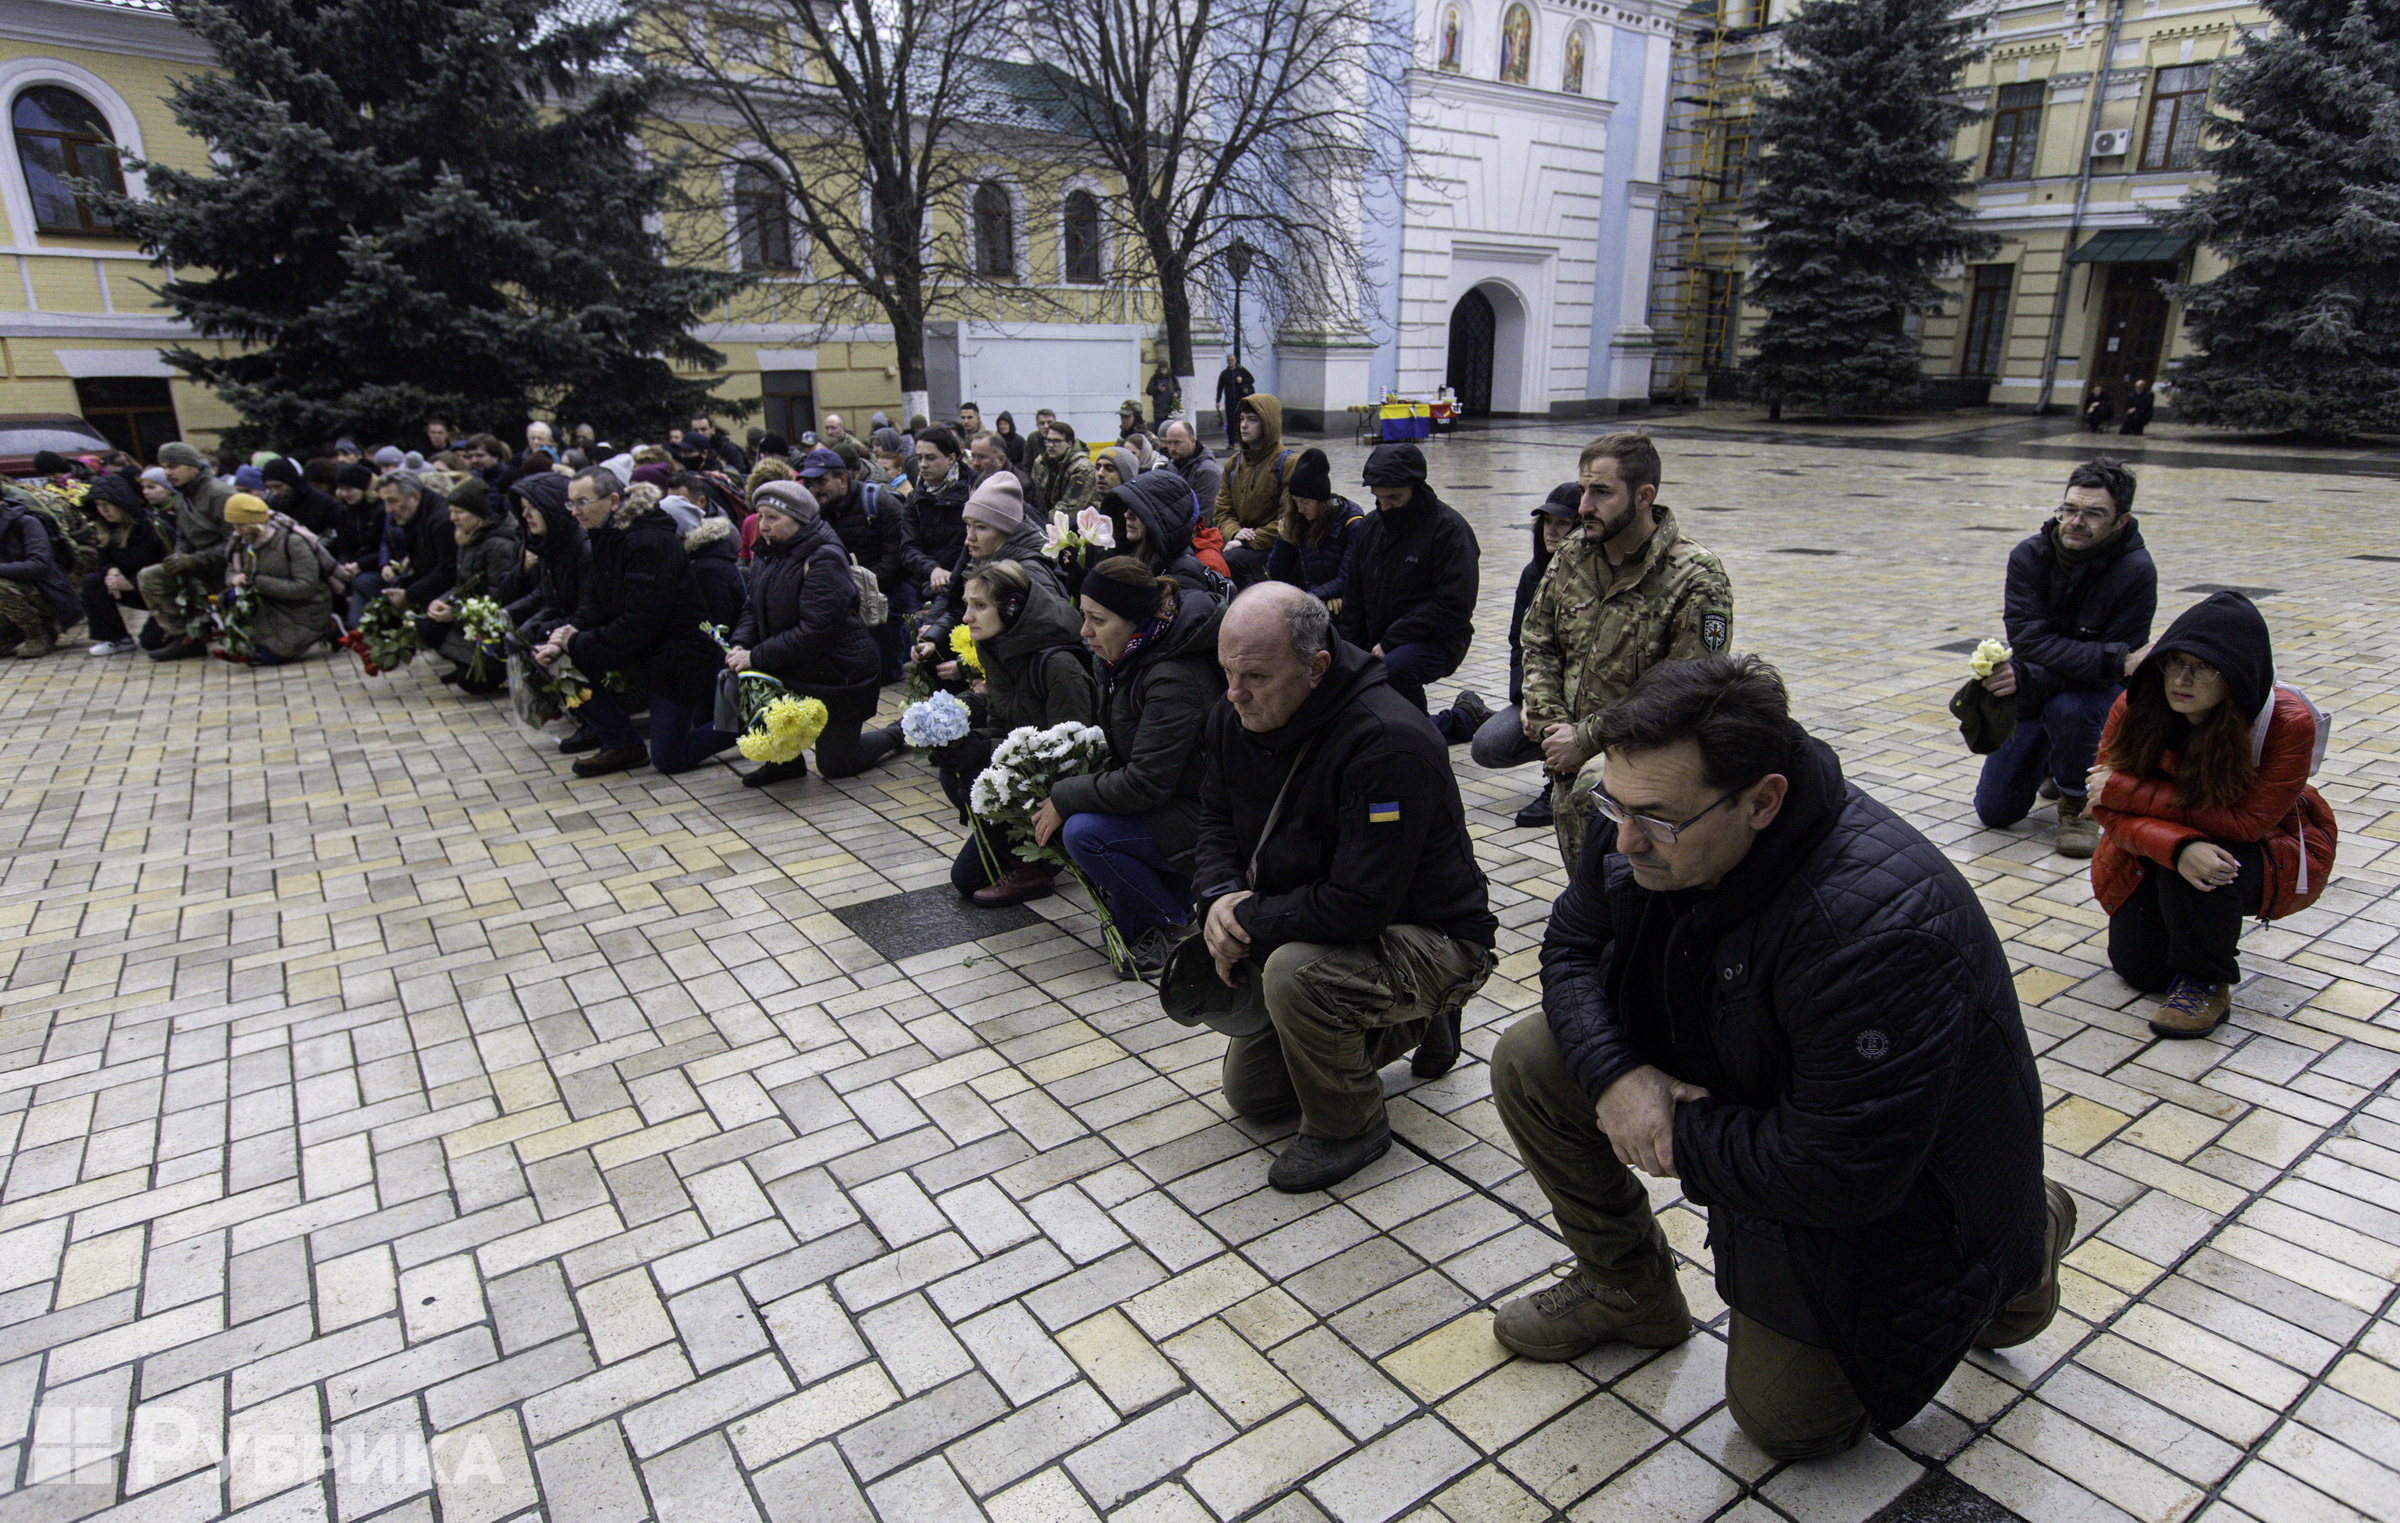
pixel 2193 1009
pixel 2078 833
pixel 1031 881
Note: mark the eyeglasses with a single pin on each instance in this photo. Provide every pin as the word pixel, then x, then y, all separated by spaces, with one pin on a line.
pixel 2185 669
pixel 2068 514
pixel 1656 832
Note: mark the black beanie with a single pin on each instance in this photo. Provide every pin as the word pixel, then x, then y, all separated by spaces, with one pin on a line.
pixel 281 469
pixel 114 486
pixel 1312 476
pixel 49 463
pixel 354 475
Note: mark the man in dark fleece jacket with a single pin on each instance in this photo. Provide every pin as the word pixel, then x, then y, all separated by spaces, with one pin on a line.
pixel 1411 593
pixel 2081 595
pixel 1765 984
pixel 1336 879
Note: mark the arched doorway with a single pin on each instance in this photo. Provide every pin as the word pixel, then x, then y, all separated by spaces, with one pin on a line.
pixel 1474 328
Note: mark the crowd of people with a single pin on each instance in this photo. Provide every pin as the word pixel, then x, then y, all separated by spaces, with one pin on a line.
pixel 1760 981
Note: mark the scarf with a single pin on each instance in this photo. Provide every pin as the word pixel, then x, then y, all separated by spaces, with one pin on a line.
pixel 1143 633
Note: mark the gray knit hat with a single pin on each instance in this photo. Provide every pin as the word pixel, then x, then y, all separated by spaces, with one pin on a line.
pixel 180 453
pixel 788 498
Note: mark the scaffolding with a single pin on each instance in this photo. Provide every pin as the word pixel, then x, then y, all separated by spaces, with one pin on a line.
pixel 1696 282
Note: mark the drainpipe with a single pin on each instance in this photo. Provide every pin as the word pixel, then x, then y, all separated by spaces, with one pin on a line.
pixel 2083 196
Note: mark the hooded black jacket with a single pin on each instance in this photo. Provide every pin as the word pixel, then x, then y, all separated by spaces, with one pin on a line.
pixel 1413 577
pixel 563 549
pixel 639 614
pixel 802 625
pixel 716 573
pixel 1163 501
pixel 2069 626
pixel 1036 671
pixel 1372 833
pixel 1153 706
pixel 1871 1154
pixel 931 536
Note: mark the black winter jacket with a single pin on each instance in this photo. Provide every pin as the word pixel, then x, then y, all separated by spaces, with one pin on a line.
pixel 1412 578
pixel 1372 833
pixel 1871 1154
pixel 716 572
pixel 639 614
pixel 1036 671
pixel 491 565
pixel 429 547
pixel 1167 509
pixel 142 547
pixel 931 534
pixel 564 551
pixel 857 528
pixel 313 509
pixel 1322 569
pixel 1153 706
pixel 802 626
pixel 1527 581
pixel 2070 626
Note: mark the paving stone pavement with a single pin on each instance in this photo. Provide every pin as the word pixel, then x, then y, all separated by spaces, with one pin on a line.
pixel 399 1129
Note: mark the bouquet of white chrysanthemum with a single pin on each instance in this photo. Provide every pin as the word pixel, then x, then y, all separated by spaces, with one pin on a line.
pixel 485 624
pixel 1988 655
pixel 1023 770
pixel 935 721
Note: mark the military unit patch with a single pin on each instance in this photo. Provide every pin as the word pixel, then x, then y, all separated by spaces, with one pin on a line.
pixel 1714 627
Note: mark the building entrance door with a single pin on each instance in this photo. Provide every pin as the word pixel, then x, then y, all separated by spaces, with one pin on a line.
pixel 1473 329
pixel 2133 327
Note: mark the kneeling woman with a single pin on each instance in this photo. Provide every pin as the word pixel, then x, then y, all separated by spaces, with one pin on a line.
pixel 802 628
pixel 1035 673
pixel 2202 795
pixel 1132 826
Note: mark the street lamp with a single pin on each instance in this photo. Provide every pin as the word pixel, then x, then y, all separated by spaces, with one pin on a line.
pixel 1237 259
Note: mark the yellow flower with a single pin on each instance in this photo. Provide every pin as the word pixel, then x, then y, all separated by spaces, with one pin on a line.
pixel 1987 655
pixel 962 645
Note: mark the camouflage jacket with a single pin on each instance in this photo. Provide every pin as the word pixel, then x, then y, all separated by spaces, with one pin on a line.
pixel 1593 628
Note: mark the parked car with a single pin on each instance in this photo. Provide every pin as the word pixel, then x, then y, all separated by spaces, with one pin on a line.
pixel 22 435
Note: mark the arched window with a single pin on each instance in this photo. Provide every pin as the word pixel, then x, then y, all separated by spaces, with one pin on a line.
pixel 1083 237
pixel 995 231
pixel 762 220
pixel 60 137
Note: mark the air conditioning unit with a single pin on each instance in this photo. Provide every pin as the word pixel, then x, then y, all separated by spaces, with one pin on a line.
pixel 2113 144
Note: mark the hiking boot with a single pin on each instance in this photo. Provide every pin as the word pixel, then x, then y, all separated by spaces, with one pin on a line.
pixel 2078 834
pixel 1151 949
pixel 38 645
pixel 613 759
pixel 1439 1050
pixel 2027 1315
pixel 179 649
pixel 1031 881
pixel 1320 1163
pixel 2048 792
pixel 1471 709
pixel 1582 1311
pixel 2192 1008
pixel 1538 813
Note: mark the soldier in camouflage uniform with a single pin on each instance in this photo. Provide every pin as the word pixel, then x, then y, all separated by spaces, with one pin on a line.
pixel 1625 594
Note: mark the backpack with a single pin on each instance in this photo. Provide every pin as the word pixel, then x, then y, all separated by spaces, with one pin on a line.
pixel 873 606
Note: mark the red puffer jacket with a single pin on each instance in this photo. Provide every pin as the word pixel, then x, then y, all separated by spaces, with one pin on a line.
pixel 2142 822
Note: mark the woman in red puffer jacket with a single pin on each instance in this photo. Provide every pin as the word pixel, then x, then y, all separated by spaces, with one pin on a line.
pixel 2202 795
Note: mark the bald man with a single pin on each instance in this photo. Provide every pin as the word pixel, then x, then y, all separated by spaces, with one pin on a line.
pixel 1335 878
pixel 834 435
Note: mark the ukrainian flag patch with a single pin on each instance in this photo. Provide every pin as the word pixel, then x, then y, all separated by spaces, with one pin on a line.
pixel 1383 814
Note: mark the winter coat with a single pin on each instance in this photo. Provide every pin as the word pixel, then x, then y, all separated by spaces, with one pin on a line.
pixel 929 532
pixel 1064 486
pixel 854 520
pixel 716 575
pixel 1164 504
pixel 357 533
pixel 1870 1156
pixel 640 614
pixel 802 624
pixel 1205 477
pixel 564 553
pixel 1153 705
pixel 315 510
pixel 133 547
pixel 1023 545
pixel 27 556
pixel 489 564
pixel 1527 581
pixel 428 546
pixel 1036 671
pixel 1372 833
pixel 294 575
pixel 2070 624
pixel 200 527
pixel 1253 494
pixel 1321 568
pixel 1593 628
pixel 1413 576
pixel 2143 825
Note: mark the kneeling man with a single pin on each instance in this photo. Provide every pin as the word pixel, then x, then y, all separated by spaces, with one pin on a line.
pixel 1765 984
pixel 1334 874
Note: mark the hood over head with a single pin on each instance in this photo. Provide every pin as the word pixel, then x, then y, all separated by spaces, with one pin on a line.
pixel 1394 465
pixel 2226 630
pixel 1270 416
pixel 561 535
pixel 1166 506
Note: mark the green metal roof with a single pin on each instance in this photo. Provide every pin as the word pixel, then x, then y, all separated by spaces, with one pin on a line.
pixel 2130 245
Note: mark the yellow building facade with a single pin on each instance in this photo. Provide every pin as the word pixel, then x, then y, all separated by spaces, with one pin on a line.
pixel 2094 116
pixel 85 83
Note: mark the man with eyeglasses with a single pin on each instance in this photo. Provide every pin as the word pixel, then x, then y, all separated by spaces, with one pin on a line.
pixel 1769 987
pixel 1626 593
pixel 2081 595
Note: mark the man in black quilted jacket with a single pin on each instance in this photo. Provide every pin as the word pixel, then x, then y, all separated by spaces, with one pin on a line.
pixel 1768 986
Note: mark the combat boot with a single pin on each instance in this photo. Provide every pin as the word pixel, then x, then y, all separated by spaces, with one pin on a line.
pixel 1582 1311
pixel 2078 833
